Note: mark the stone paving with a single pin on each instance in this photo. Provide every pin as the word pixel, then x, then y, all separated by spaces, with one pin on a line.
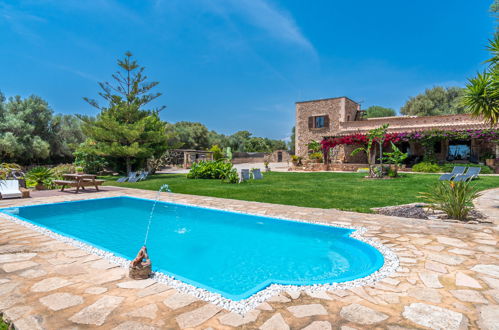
pixel 448 279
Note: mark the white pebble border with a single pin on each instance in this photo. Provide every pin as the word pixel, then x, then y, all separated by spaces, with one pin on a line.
pixel 242 306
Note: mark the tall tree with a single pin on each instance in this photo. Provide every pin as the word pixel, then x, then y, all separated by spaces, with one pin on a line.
pixel 256 144
pixel 67 134
pixel 124 130
pixel 435 101
pixel 25 129
pixel 191 135
pixel 376 111
pixel 238 140
pixel 217 139
pixel 494 9
pixel 481 96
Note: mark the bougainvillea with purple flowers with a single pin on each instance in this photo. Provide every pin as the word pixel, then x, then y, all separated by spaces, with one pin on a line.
pixel 488 135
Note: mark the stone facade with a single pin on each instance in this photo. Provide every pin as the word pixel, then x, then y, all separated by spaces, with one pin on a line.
pixel 279 156
pixel 345 118
pixel 338 110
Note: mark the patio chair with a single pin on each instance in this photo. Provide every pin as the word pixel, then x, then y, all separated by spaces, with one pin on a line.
pixel 138 177
pixel 131 175
pixel 245 175
pixel 143 176
pixel 457 170
pixel 471 174
pixel 10 189
pixel 257 174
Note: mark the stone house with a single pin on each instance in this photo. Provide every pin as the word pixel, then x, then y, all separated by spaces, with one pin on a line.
pixel 341 116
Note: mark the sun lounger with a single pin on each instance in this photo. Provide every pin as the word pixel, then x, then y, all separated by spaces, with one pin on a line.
pixel 257 174
pixel 130 176
pixel 457 170
pixel 142 176
pixel 135 178
pixel 245 175
pixel 471 174
pixel 10 189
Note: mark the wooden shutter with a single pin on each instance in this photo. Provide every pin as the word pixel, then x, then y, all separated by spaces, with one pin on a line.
pixel 310 122
pixel 326 121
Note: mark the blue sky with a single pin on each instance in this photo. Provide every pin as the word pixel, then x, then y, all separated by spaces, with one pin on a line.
pixel 241 64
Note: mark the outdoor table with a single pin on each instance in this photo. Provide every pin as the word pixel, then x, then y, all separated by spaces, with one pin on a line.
pixel 79 180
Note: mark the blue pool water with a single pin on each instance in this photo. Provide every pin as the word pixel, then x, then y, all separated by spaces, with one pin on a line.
pixel 233 254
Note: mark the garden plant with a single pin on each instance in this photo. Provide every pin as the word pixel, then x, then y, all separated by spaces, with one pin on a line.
pixel 41 177
pixel 453 198
pixel 395 157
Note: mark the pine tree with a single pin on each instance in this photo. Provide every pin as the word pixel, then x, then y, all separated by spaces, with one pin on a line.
pixel 123 130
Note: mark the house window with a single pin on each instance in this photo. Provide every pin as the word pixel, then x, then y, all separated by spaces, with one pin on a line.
pixel 459 150
pixel 318 122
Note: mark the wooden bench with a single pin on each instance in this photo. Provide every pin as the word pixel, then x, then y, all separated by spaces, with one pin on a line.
pixel 67 183
pixel 92 182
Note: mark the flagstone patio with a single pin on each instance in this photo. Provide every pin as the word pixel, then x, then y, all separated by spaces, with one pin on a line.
pixel 448 279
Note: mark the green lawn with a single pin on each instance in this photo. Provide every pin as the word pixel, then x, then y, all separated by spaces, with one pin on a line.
pixel 345 191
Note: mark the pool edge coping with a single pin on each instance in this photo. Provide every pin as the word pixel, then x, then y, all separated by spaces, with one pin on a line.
pixel 391 261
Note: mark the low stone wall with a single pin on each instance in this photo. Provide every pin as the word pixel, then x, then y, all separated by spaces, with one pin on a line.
pixel 349 167
pixel 248 160
pixel 313 167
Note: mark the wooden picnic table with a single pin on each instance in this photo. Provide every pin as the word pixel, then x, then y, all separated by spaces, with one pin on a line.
pixel 79 180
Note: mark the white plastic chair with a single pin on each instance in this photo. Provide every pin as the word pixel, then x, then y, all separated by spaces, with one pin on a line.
pixel 245 175
pixel 257 174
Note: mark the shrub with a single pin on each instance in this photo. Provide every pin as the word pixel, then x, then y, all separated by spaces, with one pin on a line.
pixel 392 173
pixel 316 156
pixel 453 198
pixel 41 176
pixel 314 146
pixel 218 153
pixel 484 169
pixel 231 176
pixel 296 159
pixel 395 157
pixel 61 169
pixel 426 167
pixel 86 157
pixel 7 170
pixel 487 155
pixel 210 170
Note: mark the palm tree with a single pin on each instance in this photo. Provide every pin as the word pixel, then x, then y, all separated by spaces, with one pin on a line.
pixel 481 96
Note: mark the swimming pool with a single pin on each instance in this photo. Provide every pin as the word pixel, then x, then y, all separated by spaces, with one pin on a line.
pixel 233 254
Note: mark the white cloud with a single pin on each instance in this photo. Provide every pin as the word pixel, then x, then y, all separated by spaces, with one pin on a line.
pixel 276 22
pixel 20 22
